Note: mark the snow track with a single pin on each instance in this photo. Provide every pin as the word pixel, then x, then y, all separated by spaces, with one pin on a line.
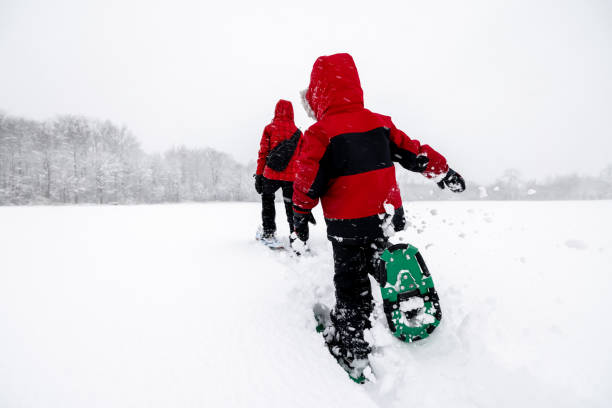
pixel 177 305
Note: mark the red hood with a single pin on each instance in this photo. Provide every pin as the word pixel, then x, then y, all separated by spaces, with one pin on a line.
pixel 283 111
pixel 334 85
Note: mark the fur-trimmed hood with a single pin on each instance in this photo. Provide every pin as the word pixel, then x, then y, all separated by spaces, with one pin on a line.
pixel 334 85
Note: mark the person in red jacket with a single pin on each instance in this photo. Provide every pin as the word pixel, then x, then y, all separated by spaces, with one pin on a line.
pixel 347 161
pixel 267 180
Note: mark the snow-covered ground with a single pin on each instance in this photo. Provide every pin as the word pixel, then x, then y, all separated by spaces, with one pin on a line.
pixel 178 306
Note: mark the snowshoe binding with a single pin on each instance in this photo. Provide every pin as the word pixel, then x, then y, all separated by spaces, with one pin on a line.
pixel 269 239
pixel 410 301
pixel 357 367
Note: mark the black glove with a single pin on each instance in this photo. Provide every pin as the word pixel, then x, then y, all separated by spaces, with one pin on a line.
pixel 258 183
pixel 311 219
pixel 398 220
pixel 300 223
pixel 453 181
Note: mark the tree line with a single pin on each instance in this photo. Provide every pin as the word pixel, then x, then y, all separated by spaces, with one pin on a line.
pixel 73 159
pixel 511 185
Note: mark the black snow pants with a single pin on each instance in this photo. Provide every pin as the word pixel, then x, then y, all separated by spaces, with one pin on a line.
pixel 268 211
pixel 351 315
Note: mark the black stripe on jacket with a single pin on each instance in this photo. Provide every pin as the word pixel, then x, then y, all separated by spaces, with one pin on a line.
pixel 354 153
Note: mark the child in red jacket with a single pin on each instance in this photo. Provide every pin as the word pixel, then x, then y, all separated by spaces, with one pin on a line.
pixel 267 180
pixel 346 161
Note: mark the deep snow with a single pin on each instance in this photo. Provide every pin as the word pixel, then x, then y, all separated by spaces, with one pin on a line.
pixel 177 305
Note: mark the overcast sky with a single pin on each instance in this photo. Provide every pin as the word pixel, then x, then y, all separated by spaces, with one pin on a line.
pixel 490 84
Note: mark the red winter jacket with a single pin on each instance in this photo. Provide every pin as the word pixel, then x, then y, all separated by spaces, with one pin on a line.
pixel 281 128
pixel 347 156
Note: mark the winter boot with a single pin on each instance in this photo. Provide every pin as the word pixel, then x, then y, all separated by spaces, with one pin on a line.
pixel 298 246
pixel 347 346
pixel 347 341
pixel 349 325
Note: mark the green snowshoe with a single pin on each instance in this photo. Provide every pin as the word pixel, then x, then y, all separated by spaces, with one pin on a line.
pixel 410 300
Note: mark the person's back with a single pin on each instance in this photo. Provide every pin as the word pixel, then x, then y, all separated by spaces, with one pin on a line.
pixel 278 130
pixel 268 180
pixel 347 156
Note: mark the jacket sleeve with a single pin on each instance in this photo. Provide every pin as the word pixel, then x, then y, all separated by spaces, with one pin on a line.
pixel 264 148
pixel 312 176
pixel 414 156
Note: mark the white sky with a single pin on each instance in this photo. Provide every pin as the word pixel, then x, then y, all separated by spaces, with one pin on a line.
pixel 490 84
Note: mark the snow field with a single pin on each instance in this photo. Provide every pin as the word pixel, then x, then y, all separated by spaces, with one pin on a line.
pixel 152 306
pixel 177 305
